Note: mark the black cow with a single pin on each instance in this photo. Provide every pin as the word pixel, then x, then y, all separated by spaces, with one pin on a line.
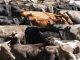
pixel 3 10
pixel 60 7
pixel 13 20
pixel 41 35
pixel 11 17
pixel 9 10
pixel 11 14
pixel 69 32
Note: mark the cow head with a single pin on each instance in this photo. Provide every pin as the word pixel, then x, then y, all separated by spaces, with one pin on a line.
pixel 69 50
pixel 5 51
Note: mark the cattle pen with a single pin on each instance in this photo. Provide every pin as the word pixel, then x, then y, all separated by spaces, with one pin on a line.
pixel 39 29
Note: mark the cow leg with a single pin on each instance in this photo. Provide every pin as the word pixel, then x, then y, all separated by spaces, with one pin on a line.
pixel 72 55
pixel 43 9
pixel 31 23
pixel 51 9
pixel 19 42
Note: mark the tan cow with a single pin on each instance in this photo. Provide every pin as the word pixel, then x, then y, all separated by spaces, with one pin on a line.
pixel 18 30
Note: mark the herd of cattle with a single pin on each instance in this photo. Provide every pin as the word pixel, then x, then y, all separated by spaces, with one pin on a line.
pixel 39 30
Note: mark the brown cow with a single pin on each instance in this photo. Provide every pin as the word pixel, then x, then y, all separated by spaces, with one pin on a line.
pixel 27 52
pixel 45 18
pixel 34 52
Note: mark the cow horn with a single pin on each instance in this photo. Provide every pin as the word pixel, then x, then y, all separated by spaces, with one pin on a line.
pixel 0 45
pixel 7 42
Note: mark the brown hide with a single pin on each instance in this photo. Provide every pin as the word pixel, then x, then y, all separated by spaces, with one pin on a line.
pixel 45 18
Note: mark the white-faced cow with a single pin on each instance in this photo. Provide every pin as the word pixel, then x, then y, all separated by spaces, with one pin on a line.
pixel 68 50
